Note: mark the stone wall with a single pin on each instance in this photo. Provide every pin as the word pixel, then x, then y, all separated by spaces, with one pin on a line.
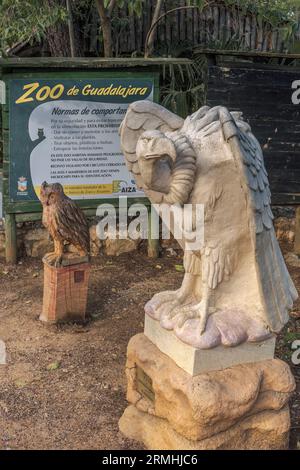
pixel 34 241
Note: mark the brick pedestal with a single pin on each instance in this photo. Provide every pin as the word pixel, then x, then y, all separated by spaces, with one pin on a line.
pixel 65 291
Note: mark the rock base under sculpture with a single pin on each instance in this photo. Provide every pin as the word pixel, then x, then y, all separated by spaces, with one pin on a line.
pixel 242 407
pixel 267 430
pixel 65 290
pixel 195 361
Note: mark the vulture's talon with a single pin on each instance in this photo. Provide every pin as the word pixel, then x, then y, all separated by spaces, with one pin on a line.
pixel 164 302
pixel 190 312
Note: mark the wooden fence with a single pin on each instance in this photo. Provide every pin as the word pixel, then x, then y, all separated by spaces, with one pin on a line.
pixel 217 27
pixel 263 92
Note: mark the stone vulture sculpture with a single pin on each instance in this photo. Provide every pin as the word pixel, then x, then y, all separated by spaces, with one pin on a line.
pixel 239 276
pixel 65 222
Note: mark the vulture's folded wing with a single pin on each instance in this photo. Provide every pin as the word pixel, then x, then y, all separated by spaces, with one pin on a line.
pixel 276 286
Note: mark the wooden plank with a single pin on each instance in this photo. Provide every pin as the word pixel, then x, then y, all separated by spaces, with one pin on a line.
pixel 5 145
pixel 5 120
pixel 5 186
pixel 244 73
pixel 284 181
pixel 230 52
pixel 264 97
pixel 10 239
pixel 28 207
pixel 241 29
pixel 182 23
pixel 285 199
pixel 28 217
pixel 247 32
pixel 153 242
pixel 222 25
pixel 84 63
pixel 195 26
pixel 209 24
pixel 176 27
pixel 201 28
pixel 229 21
pixel 253 33
pixel 189 26
pixel 5 168
pixel 216 19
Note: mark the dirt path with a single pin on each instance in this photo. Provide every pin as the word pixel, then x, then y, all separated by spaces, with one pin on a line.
pixel 64 386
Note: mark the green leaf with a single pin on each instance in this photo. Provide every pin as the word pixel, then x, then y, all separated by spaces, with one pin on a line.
pixel 179 268
pixel 53 366
pixel 20 383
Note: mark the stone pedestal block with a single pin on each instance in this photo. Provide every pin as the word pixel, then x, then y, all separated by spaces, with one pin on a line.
pixel 195 361
pixel 241 407
pixel 65 291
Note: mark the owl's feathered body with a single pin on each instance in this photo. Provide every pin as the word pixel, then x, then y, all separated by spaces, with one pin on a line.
pixel 212 158
pixel 64 220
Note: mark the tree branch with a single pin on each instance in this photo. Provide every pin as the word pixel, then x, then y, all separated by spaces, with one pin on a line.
pixel 111 7
pixel 150 43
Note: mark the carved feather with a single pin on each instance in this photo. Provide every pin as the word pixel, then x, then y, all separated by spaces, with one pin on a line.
pixel 217 265
pixel 71 224
pixel 257 179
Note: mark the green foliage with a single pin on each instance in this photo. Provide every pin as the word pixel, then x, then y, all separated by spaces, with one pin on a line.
pixel 273 15
pixel 184 86
pixel 275 12
pixel 135 6
pixel 23 20
pixel 29 20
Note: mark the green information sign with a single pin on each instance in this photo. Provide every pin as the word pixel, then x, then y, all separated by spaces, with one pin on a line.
pixel 66 130
pixel 60 122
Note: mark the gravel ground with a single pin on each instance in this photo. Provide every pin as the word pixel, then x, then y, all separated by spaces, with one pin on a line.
pixel 64 386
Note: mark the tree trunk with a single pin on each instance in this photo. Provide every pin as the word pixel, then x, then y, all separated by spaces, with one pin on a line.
pixel 58 41
pixel 58 35
pixel 106 25
pixel 71 28
pixel 150 43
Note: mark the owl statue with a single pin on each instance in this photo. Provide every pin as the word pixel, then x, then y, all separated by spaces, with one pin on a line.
pixel 65 222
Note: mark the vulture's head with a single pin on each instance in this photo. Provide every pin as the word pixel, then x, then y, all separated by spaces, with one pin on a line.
pixel 156 157
pixel 51 193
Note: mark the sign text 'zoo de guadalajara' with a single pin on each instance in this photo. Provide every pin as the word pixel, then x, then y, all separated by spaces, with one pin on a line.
pixel 66 130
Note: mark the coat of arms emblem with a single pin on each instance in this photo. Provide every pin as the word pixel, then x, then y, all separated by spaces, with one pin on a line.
pixel 22 184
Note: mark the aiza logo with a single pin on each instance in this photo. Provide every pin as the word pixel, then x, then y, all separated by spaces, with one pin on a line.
pixel 121 186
